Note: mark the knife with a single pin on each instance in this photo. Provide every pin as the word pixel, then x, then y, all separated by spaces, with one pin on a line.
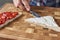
pixel 34 13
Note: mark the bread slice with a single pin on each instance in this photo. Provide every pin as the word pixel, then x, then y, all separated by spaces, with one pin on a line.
pixel 9 7
pixel 8 21
pixel 46 22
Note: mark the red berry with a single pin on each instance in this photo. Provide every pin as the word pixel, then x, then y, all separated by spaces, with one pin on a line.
pixel 8 15
pixel 3 21
pixel 4 14
pixel 0 21
pixel 14 14
pixel 1 15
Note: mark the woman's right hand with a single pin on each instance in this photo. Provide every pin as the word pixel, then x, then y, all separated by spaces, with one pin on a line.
pixel 23 4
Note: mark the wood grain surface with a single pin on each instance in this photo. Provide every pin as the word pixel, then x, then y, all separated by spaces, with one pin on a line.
pixel 17 29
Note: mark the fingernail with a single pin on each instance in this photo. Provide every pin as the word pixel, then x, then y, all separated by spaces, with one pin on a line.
pixel 28 9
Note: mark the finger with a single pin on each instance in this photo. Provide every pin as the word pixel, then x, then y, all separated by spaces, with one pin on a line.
pixel 26 4
pixel 16 2
pixel 28 1
pixel 21 5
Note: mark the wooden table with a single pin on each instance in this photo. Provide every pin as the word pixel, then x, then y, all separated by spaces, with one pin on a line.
pixel 16 29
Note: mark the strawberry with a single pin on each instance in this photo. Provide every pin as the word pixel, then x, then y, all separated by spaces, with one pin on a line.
pixel 0 20
pixel 1 15
pixel 8 15
pixel 14 14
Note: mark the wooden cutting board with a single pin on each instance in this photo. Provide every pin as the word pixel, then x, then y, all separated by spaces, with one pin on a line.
pixel 18 28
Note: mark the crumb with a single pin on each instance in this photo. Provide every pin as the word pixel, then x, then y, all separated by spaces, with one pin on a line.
pixel 29 30
pixel 32 25
pixel 56 13
pixel 53 35
pixel 9 28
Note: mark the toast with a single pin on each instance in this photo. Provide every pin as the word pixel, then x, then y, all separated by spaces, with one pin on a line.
pixel 9 8
pixel 45 22
pixel 8 21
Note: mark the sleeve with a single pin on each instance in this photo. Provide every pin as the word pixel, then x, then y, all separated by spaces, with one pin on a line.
pixel 35 2
pixel 51 3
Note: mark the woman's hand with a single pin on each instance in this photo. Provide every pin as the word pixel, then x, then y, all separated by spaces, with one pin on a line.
pixel 22 4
